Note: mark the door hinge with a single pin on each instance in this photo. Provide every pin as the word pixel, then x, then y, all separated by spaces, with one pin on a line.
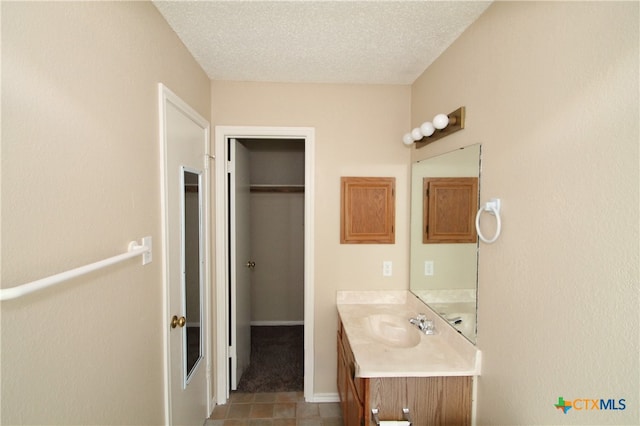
pixel 229 167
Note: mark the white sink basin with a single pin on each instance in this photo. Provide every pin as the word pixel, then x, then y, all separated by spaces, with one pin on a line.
pixel 393 330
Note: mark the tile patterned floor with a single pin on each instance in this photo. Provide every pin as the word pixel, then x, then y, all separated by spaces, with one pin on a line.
pixel 274 409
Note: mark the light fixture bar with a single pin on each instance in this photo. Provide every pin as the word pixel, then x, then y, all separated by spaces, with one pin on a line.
pixel 456 122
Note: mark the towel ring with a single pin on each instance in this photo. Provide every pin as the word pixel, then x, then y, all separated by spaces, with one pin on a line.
pixel 493 207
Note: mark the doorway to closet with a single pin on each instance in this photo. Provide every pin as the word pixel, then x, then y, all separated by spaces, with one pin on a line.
pixel 264 262
pixel 275 263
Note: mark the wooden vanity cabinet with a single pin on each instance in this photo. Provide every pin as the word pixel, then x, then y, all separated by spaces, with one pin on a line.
pixel 431 400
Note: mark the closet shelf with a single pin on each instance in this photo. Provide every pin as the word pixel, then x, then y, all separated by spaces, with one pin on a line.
pixel 277 188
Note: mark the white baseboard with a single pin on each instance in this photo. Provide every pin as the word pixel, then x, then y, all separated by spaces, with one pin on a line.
pixel 325 397
pixel 276 323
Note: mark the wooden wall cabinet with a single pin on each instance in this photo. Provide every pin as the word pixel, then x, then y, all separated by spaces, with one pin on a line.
pixel 367 210
pixel 449 210
pixel 431 400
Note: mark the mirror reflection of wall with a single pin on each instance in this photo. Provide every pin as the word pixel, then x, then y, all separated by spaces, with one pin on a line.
pixel 445 275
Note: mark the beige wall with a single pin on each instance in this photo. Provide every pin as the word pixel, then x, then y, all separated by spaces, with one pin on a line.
pixel 277 247
pixel 551 91
pixel 80 179
pixel 358 133
pixel 277 234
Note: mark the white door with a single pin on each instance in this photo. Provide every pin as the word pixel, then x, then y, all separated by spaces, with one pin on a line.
pixel 241 263
pixel 186 275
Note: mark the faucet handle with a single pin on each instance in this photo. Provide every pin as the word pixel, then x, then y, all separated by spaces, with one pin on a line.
pixel 421 317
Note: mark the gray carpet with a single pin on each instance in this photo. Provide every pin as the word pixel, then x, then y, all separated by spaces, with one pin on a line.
pixel 277 360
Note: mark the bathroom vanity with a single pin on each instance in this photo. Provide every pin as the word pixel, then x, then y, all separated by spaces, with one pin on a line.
pixel 388 365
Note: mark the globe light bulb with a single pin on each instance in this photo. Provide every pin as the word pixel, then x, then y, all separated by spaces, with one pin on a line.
pixel 427 128
pixel 407 139
pixel 440 121
pixel 416 134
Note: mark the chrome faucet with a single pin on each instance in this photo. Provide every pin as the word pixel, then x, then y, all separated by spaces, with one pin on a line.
pixel 425 325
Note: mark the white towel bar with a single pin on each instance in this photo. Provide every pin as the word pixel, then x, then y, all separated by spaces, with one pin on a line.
pixel 135 249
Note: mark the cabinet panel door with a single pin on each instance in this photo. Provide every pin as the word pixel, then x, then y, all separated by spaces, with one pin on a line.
pixel 354 408
pixel 342 377
pixel 350 399
pixel 449 210
pixel 367 210
pixel 440 401
pixel 350 370
pixel 389 396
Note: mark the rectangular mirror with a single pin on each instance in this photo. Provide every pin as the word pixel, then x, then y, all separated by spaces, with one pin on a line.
pixel 444 275
pixel 192 264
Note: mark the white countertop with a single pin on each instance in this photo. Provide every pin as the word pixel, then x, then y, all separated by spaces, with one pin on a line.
pixel 446 353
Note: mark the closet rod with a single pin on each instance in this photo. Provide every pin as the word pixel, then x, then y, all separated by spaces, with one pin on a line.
pixel 134 249
pixel 277 188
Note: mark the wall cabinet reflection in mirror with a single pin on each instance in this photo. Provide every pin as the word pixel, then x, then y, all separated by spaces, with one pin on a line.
pixel 444 275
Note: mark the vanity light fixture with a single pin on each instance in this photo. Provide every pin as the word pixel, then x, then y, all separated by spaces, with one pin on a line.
pixel 442 125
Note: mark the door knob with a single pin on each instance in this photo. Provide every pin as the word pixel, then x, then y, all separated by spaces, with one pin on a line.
pixel 178 322
pixel 250 264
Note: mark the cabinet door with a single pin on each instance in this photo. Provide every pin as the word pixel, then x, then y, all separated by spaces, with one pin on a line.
pixel 433 401
pixel 389 396
pixel 440 401
pixel 450 206
pixel 342 375
pixel 367 210
pixel 348 384
pixel 354 408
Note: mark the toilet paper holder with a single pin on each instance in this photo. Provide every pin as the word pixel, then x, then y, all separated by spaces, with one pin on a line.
pixel 405 414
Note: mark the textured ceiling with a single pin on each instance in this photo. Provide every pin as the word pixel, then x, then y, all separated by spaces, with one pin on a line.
pixel 369 42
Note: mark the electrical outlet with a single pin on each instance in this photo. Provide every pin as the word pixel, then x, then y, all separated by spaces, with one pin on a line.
pixel 428 268
pixel 387 268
